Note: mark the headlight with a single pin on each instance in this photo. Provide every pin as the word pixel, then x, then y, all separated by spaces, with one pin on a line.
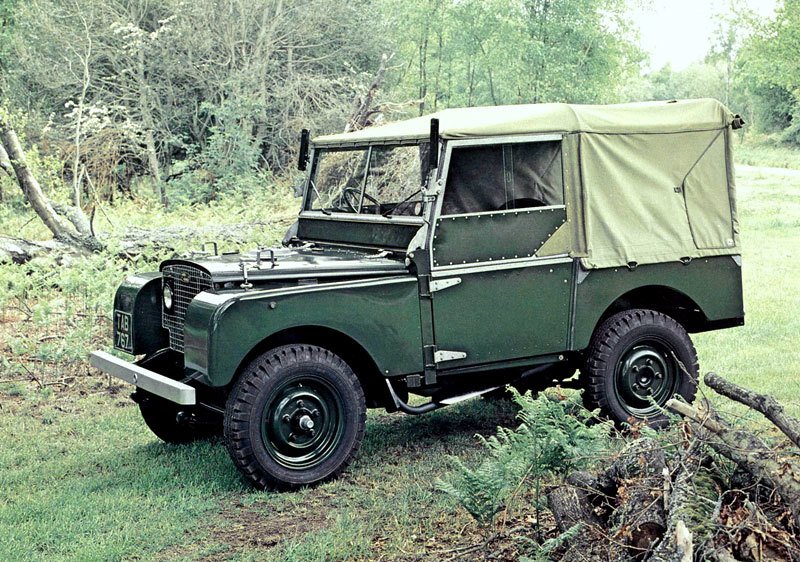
pixel 167 297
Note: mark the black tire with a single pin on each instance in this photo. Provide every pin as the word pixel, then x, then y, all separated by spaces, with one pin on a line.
pixel 637 360
pixel 295 417
pixel 162 417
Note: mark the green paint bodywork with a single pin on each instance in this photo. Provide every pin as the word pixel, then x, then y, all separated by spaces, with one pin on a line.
pixel 140 296
pixel 487 291
pixel 381 235
pixel 714 284
pixel 505 314
pixel 382 316
pixel 463 239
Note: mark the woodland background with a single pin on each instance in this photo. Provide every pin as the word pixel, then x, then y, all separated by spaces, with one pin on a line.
pixel 192 101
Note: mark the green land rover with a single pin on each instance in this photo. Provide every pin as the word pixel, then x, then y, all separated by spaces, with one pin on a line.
pixel 447 256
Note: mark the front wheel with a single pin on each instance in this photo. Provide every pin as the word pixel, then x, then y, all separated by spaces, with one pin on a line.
pixel 173 423
pixel 637 360
pixel 295 417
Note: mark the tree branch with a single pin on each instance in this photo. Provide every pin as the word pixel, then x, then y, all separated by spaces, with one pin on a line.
pixel 767 405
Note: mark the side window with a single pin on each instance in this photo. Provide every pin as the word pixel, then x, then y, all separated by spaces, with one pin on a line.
pixel 504 176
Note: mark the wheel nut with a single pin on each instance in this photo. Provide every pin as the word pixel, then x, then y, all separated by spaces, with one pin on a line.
pixel 314 413
pixel 635 369
pixel 659 376
pixel 313 432
pixel 300 404
pixel 635 386
pixel 286 418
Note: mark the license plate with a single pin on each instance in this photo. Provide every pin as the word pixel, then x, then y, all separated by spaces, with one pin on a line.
pixel 122 331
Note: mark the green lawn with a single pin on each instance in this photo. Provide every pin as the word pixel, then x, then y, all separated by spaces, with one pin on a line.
pixel 81 478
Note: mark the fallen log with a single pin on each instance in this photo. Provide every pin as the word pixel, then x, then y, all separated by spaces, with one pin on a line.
pixel 764 403
pixel 136 241
pixel 20 251
pixel 640 521
pixel 691 503
pixel 571 505
pixel 746 450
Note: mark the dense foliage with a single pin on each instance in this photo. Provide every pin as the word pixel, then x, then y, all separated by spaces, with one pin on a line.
pixel 188 101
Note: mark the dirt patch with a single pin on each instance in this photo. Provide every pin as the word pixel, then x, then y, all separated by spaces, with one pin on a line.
pixel 242 527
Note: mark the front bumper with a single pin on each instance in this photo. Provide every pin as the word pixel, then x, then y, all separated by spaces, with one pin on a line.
pixel 148 380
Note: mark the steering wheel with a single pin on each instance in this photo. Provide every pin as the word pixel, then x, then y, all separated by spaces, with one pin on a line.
pixel 351 197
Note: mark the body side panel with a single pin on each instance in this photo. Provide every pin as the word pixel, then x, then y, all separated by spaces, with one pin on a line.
pixel 380 315
pixel 498 314
pixel 714 283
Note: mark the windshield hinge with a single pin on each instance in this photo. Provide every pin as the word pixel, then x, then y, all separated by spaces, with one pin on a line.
pixel 433 189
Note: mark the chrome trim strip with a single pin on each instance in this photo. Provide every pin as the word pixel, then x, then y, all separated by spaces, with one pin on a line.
pixel 145 379
pixel 481 267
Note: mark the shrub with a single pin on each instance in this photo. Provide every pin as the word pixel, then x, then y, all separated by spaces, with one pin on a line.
pixel 552 438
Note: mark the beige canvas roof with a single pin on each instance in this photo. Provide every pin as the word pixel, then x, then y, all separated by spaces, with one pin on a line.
pixel 646 117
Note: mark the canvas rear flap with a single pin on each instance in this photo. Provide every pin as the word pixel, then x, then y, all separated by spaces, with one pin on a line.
pixel 650 198
pixel 709 201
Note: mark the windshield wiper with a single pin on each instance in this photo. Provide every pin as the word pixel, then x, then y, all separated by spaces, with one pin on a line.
pixel 387 214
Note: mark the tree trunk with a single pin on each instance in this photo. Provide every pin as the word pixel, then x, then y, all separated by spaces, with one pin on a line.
pixel 363 109
pixel 149 125
pixel 5 165
pixel 33 193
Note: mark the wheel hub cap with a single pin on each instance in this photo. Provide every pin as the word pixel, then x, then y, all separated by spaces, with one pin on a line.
pixel 302 422
pixel 646 378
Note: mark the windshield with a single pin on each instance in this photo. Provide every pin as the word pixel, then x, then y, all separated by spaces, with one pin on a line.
pixel 377 180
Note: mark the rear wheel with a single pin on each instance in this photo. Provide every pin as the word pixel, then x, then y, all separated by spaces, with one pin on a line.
pixel 295 417
pixel 637 360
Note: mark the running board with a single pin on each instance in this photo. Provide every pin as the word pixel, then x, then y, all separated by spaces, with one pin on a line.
pixel 433 405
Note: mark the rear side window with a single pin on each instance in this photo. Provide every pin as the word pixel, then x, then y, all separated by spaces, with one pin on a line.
pixel 504 177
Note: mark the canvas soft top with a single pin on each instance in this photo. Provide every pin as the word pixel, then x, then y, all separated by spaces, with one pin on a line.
pixel 471 122
pixel 643 182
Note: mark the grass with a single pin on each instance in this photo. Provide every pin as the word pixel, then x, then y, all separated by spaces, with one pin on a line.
pixel 757 150
pixel 81 478
pixel 764 354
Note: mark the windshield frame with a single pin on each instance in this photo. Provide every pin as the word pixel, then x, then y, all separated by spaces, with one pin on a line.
pixel 308 193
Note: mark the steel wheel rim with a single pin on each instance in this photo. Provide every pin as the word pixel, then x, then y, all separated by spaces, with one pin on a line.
pixel 646 376
pixel 303 422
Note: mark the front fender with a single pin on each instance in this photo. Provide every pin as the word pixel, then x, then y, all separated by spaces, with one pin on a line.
pixel 139 298
pixel 381 315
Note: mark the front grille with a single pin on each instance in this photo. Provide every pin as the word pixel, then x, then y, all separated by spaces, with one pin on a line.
pixel 186 281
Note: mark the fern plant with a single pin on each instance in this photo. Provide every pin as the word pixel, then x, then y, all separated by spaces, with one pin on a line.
pixel 552 438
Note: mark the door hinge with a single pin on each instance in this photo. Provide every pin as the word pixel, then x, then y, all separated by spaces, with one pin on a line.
pixel 439 284
pixel 445 355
